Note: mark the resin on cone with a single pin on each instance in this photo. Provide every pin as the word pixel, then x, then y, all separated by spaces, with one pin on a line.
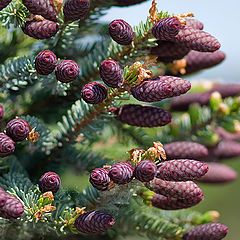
pixel 99 178
pixel 166 28
pixel 218 173
pixel 44 8
pixel 75 9
pixel 67 71
pixel 143 115
pixel 121 32
pixel 145 171
pixel 7 145
pixel 194 23
pixel 121 173
pixel 111 73
pixel 49 181
pixel 94 222
pixel 170 203
pixel 4 4
pixel 45 62
pixel 159 88
pixel 40 29
pixel 179 190
pixel 94 93
pixel 187 150
pixel 208 231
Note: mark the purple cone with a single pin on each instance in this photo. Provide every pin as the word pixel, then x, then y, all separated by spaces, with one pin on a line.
pixel 49 181
pixel 145 171
pixel 194 23
pixel 99 178
pixel 121 173
pixel 1 111
pixel 4 4
pixel 7 145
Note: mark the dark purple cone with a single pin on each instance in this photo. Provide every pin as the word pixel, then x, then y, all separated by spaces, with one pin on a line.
pixel 99 178
pixel 159 88
pixel 3 198
pixel 75 9
pixel 218 173
pixel 179 190
pixel 187 150
pixel 111 73
pixel 145 171
pixel 143 115
pixel 182 103
pixel 197 40
pixel 226 149
pixel 181 170
pixel 121 32
pixel 169 50
pixel 121 173
pixel 227 90
pixel 94 222
pixel 166 28
pixel 7 145
pixel 4 4
pixel 44 8
pixel 208 231
pixel 67 71
pixel 49 181
pixel 170 203
pixel 201 60
pixel 17 129
pixel 1 111
pixel 40 29
pixel 94 93
pixel 45 62
pixel 195 24
pixel 126 3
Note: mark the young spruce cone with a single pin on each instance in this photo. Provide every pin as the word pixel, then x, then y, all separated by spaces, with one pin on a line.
pixel 99 178
pixel 7 145
pixel 197 61
pixel 40 29
pixel 44 8
pixel 17 129
pixel 3 198
pixel 181 170
pixel 187 150
pixel 145 171
pixel 49 181
pixel 75 9
pixel 45 62
pixel 1 111
pixel 4 3
pixel 67 71
pixel 143 115
pixel 166 28
pixel 94 93
pixel 111 73
pixel 94 222
pixel 208 231
pixel 121 32
pixel 196 40
pixel 227 90
pixel 195 24
pixel 179 190
pixel 159 88
pixel 121 173
pixel 170 203
pixel 125 3
pixel 218 173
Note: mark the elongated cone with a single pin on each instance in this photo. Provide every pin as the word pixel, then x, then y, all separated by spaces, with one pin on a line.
pixel 181 170
pixel 143 115
pixel 197 61
pixel 145 171
pixel 179 190
pixel 194 23
pixel 197 40
pixel 94 222
pixel 166 28
pixel 226 149
pixel 40 29
pixel 4 4
pixel 218 173
pixel 188 150
pixel 121 172
pixel 227 90
pixel 159 88
pixel 7 145
pixel 44 8
pixel 99 178
pixel 208 231
pixel 225 135
pixel 170 203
